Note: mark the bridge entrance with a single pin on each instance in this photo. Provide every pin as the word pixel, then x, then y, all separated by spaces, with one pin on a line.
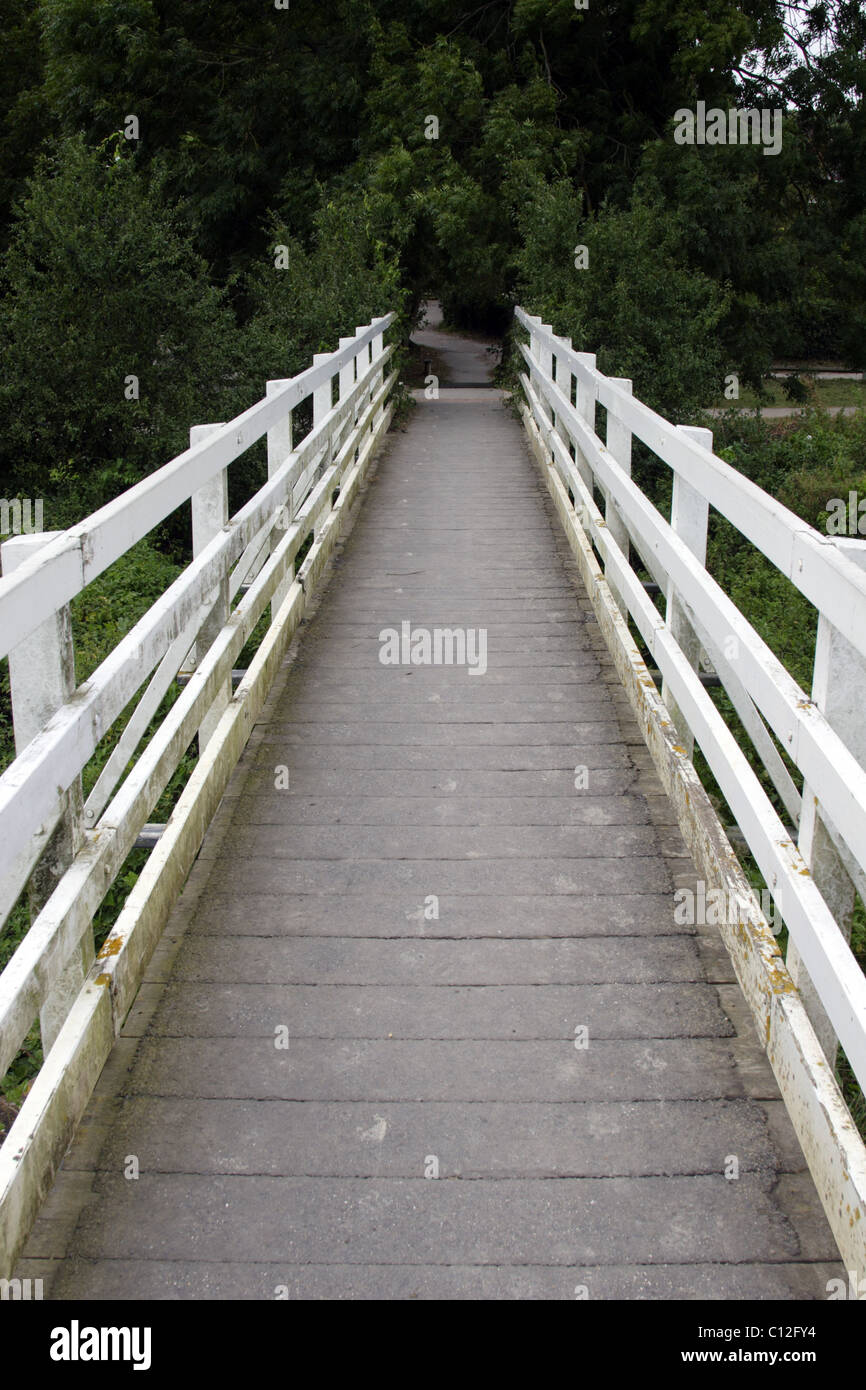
pixel 423 1022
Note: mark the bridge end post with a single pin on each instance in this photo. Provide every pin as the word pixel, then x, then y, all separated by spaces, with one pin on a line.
pixel 41 679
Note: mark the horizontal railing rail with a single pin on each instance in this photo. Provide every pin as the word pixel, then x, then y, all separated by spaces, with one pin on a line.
pixel 608 516
pixel 192 638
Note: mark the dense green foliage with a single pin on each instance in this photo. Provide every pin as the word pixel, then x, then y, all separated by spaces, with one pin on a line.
pixel 100 289
pixel 397 148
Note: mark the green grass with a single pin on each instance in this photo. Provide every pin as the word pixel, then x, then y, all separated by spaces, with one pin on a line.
pixel 817 393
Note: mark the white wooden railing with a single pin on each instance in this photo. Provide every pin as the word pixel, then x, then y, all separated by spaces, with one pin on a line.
pixel 82 1002
pixel 802 1006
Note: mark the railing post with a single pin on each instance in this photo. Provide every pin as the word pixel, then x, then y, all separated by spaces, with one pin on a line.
pixel 41 679
pixel 618 443
pixel 544 357
pixel 586 409
pixel 347 375
pixel 377 348
pixel 323 395
pixel 534 345
pixel 839 691
pixel 210 513
pixel 323 403
pixel 545 362
pixel 689 519
pixel 348 378
pixel 280 445
pixel 362 362
pixel 561 375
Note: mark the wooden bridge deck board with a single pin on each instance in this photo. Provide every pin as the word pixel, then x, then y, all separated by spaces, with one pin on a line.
pixel 454 1037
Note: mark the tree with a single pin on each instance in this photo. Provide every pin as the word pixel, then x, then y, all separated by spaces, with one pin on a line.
pixel 304 298
pixel 632 298
pixel 113 338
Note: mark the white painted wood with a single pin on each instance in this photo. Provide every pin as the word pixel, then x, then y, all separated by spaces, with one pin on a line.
pixel 377 348
pixel 56 932
pixel 40 1135
pixel 586 398
pixel 280 446
pixel 322 407
pixel 41 680
pixel 823 573
pixel 689 520
pixel 210 513
pixel 754 725
pixel 801 728
pixel 561 374
pixel 348 376
pixel 28 789
pixel 85 551
pixel 347 371
pixel 833 1148
pixel 839 691
pixel 544 354
pixel 139 722
pixel 619 447
pixel 838 978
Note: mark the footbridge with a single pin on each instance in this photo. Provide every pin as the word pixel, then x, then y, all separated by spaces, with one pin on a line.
pixel 445 977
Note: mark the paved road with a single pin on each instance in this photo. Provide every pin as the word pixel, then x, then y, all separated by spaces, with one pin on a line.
pixel 435 918
pixel 457 361
pixel 783 412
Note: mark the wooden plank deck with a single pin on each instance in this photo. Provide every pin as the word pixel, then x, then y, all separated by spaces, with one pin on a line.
pixel 431 909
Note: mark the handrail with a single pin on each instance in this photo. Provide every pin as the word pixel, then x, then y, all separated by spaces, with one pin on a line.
pixel 812 562
pixel 69 563
pixel 820 734
pixel 312 484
